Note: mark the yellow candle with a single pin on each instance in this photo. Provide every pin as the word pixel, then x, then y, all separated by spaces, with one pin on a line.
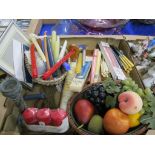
pixel 131 64
pixel 53 42
pixel 57 49
pixel 97 69
pixel 79 64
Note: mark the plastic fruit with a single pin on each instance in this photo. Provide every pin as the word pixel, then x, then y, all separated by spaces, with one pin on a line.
pixel 142 111
pixel 57 116
pixel 30 115
pixel 84 110
pixel 134 119
pixel 116 122
pixel 126 82
pixel 125 88
pixel 95 125
pixel 130 102
pixel 43 115
pixel 148 91
pixel 140 92
pixel 96 94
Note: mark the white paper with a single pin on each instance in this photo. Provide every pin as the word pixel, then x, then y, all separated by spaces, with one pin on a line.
pixel 119 73
pixel 18 60
pixel 40 64
pixel 105 44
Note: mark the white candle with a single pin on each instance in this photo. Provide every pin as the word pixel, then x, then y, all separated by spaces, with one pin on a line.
pixel 39 50
pixel 62 52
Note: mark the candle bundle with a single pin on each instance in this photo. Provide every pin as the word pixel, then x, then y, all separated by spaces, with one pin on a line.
pixel 112 62
pixel 123 60
pixel 51 54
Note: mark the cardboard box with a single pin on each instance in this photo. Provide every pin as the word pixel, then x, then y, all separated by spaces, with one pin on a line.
pixel 91 42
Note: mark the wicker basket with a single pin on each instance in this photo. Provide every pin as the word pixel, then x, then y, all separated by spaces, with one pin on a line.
pixel 39 80
pixel 141 129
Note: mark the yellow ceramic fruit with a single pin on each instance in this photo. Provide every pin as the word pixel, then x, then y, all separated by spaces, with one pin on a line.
pixel 134 119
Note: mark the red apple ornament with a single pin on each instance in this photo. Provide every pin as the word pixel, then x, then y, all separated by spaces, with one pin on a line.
pixel 43 115
pixel 57 116
pixel 130 102
pixel 30 115
pixel 84 111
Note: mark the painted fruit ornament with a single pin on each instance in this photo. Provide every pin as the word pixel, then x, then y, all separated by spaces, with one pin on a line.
pixel 116 122
pixel 84 110
pixel 43 115
pixel 130 102
pixel 134 120
pixel 30 115
pixel 95 124
pixel 57 116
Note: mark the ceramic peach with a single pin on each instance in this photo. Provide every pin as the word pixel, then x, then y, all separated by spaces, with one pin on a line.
pixel 130 102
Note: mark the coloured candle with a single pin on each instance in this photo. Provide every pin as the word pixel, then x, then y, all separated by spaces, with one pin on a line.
pixel 47 74
pixel 79 64
pixel 53 42
pixel 50 53
pixel 39 50
pixel 92 74
pixel 57 49
pixel 97 69
pixel 45 51
pixel 62 52
pixel 33 62
pixel 83 56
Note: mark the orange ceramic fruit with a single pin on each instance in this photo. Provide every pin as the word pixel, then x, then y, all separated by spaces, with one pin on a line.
pixel 116 122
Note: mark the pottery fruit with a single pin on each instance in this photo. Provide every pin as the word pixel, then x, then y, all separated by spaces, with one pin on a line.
pixel 95 125
pixel 57 116
pixel 130 102
pixel 83 110
pixel 134 119
pixel 116 122
pixel 44 115
pixel 30 115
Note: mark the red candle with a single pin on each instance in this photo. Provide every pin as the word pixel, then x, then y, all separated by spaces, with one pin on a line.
pixel 33 62
pixel 47 74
